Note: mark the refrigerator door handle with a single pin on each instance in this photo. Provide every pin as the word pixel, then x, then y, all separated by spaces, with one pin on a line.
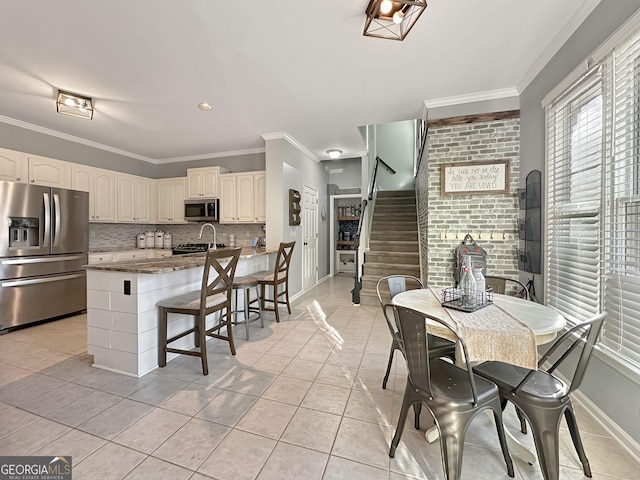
pixel 34 281
pixel 56 206
pixel 47 219
pixel 23 261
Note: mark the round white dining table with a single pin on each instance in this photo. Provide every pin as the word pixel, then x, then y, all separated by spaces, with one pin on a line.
pixel 544 321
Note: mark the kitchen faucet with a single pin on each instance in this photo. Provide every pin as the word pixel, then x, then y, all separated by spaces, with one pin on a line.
pixel 214 234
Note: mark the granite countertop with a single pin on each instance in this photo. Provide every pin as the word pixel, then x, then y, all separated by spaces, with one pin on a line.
pixel 122 249
pixel 169 264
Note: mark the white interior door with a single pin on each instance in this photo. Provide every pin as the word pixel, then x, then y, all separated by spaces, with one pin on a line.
pixel 310 237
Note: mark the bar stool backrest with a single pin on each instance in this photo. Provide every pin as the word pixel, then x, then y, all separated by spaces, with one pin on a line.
pixel 223 280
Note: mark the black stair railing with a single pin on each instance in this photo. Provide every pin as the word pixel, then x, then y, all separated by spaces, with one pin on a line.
pixel 372 185
pixel 357 283
pixel 357 277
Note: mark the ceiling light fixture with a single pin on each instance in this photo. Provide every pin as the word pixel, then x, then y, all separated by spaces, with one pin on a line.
pixel 392 20
pixel 334 153
pixel 204 106
pixel 74 105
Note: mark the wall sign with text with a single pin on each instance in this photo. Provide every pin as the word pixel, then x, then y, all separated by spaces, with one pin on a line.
pixel 474 177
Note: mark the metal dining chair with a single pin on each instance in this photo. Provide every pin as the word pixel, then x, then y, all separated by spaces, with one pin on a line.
pixel 453 396
pixel 214 296
pixel 543 397
pixel 507 286
pixel 387 288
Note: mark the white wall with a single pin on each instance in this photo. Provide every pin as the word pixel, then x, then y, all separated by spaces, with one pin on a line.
pixel 615 393
pixel 289 167
pixel 395 144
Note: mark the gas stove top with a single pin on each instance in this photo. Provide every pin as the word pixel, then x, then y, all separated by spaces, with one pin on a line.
pixel 185 248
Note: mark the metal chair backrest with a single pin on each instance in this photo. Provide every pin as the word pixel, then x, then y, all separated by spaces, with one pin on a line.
pixel 223 281
pixel 283 261
pixel 507 286
pixel 396 284
pixel 584 334
pixel 413 331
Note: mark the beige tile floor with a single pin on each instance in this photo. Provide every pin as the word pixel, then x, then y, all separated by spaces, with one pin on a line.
pixel 301 400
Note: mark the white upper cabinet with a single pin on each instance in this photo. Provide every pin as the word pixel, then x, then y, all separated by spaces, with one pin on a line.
pixel 101 185
pixel 203 182
pixel 13 166
pixel 134 199
pixel 245 201
pixel 260 196
pixel 171 194
pixel 242 197
pixel 49 172
pixel 227 198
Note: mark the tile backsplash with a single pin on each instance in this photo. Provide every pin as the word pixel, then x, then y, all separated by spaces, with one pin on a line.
pixel 123 235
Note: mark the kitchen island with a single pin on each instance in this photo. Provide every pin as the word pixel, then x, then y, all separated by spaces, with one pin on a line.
pixel 122 312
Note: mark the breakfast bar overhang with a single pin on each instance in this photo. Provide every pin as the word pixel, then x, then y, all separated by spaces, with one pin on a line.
pixel 122 312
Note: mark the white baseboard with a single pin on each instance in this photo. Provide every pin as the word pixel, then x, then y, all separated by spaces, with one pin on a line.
pixel 618 434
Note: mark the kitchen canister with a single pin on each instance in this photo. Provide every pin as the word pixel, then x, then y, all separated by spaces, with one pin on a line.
pixel 167 240
pixel 159 239
pixel 140 240
pixel 149 239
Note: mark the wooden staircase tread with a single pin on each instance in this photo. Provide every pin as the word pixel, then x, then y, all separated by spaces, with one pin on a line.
pixel 390 265
pixel 387 252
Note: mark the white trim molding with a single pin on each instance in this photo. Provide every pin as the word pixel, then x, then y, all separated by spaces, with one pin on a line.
pixel 72 138
pixel 124 153
pixel 292 141
pixel 206 156
pixel 470 98
pixel 620 35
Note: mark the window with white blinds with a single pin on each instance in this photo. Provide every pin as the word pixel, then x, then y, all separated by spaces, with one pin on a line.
pixel 573 194
pixel 593 200
pixel 621 239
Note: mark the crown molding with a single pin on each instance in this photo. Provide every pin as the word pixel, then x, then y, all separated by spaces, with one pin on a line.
pixel 117 151
pixel 207 156
pixel 72 138
pixel 470 98
pixel 579 16
pixel 285 136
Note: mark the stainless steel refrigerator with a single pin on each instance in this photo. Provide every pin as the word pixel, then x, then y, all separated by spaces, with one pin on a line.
pixel 43 247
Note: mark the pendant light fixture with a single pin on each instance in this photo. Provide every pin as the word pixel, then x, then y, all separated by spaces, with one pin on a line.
pixel 75 105
pixel 392 19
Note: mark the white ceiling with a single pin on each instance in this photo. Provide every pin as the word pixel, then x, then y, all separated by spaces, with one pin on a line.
pixel 300 67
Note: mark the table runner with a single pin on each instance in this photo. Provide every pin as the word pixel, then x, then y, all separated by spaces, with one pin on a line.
pixel 490 333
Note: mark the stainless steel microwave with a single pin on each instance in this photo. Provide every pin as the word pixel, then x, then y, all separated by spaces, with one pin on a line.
pixel 201 210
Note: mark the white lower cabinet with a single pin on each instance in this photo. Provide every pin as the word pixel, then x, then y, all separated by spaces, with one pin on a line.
pixel 101 257
pixel 131 255
pixel 123 255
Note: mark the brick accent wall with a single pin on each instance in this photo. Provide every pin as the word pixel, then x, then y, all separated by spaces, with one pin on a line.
pixel 474 213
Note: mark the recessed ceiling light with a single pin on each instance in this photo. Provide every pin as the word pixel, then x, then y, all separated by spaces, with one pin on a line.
pixel 334 153
pixel 204 106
